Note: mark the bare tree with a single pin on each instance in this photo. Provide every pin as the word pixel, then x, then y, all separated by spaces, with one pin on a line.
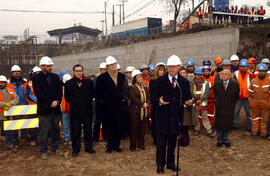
pixel 174 6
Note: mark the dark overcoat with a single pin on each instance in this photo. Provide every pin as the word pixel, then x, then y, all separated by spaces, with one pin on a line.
pixel 169 118
pixel 225 103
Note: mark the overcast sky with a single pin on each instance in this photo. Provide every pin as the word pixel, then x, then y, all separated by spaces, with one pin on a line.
pixel 14 23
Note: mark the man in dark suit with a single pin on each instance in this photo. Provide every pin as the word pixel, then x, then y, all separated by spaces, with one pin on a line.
pixel 48 90
pixel 79 93
pixel 112 95
pixel 170 93
pixel 226 92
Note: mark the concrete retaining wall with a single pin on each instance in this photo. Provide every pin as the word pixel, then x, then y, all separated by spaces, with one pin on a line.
pixel 198 46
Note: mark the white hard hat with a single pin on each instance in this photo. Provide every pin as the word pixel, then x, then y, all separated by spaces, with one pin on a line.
pixel 266 61
pixel 3 78
pixel 174 60
pixel 110 60
pixel 66 77
pixel 160 63
pixel 102 65
pixel 46 61
pixel 118 66
pixel 234 58
pixel 15 68
pixel 135 73
pixel 36 69
pixel 129 69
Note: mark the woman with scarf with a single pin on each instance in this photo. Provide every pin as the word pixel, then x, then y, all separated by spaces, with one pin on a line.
pixel 79 94
pixel 139 103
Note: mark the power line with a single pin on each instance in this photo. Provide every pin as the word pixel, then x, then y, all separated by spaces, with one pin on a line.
pixel 47 11
pixel 147 4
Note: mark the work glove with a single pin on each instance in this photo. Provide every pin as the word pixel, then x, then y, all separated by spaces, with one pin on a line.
pixel 7 106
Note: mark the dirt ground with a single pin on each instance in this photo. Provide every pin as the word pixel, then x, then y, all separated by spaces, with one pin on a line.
pixel 248 156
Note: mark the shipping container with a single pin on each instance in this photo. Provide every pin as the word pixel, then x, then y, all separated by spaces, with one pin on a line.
pixel 143 27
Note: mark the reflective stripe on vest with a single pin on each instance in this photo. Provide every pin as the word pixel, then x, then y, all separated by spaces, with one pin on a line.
pixel 204 103
pixel 11 96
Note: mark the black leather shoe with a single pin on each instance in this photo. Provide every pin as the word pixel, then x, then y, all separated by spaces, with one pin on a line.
pixel 173 168
pixel 119 150
pixel 219 144
pixel 74 154
pixel 108 151
pixel 91 151
pixel 160 170
pixel 228 145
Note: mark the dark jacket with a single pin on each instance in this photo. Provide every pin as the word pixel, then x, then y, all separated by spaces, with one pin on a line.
pixel 79 98
pixel 113 100
pixel 46 93
pixel 169 117
pixel 135 101
pixel 225 103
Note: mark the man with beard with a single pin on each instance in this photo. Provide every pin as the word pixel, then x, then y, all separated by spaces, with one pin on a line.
pixel 190 69
pixel 112 93
pixel 48 90
pixel 259 96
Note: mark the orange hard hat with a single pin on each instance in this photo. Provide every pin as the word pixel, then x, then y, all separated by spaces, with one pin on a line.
pixel 218 60
pixel 251 60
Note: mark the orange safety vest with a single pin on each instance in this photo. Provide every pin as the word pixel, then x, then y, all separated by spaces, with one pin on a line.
pixel 11 91
pixel 200 12
pixel 261 12
pixel 243 84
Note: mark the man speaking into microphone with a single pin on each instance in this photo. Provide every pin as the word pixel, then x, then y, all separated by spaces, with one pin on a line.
pixel 170 94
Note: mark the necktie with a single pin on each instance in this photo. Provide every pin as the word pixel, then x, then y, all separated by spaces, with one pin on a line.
pixel 225 84
pixel 173 83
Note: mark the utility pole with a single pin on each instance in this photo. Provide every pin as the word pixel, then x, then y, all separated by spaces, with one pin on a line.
pixel 106 18
pixel 113 22
pixel 123 4
pixel 120 18
pixel 102 21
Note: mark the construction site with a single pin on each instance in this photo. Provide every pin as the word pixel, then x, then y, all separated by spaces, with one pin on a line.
pixel 145 40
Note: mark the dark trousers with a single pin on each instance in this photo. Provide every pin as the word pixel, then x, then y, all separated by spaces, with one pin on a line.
pixel 184 139
pixel 113 142
pixel 77 125
pixel 223 136
pixel 164 140
pixel 48 124
pixel 137 133
pixel 153 122
pixel 260 20
pixel 97 123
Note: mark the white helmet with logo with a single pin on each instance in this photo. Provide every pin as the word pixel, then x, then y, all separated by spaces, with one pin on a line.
pixel 46 61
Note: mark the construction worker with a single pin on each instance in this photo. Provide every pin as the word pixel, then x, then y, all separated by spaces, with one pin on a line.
pixel 232 16
pixel 246 12
pixel 48 90
pixel 266 61
pixel 219 16
pixel 200 89
pixel 8 98
pixel 190 69
pixel 259 98
pixel 235 16
pixel 200 15
pixel 151 70
pixel 226 64
pixel 241 18
pixel 243 78
pixel 128 72
pixel 252 65
pixel 261 11
pixel 118 68
pixel 252 12
pixel 235 63
pixel 210 101
pixel 214 15
pixel 218 62
pixel 24 92
pixel 65 109
pixel 206 63
pixel 145 71
pixel 226 17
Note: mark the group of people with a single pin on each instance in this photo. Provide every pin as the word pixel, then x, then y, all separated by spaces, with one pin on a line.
pixel 168 100
pixel 244 15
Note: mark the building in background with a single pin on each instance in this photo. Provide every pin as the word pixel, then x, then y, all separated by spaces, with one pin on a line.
pixel 8 40
pixel 75 34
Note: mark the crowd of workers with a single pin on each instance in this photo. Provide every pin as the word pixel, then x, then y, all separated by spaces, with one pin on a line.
pixel 168 100
pixel 235 15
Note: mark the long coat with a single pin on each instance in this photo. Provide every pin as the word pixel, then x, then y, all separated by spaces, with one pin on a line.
pixel 169 118
pixel 46 93
pixel 225 103
pixel 79 98
pixel 112 99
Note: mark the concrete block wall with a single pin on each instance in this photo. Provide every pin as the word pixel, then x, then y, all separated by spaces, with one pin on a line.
pixel 198 46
